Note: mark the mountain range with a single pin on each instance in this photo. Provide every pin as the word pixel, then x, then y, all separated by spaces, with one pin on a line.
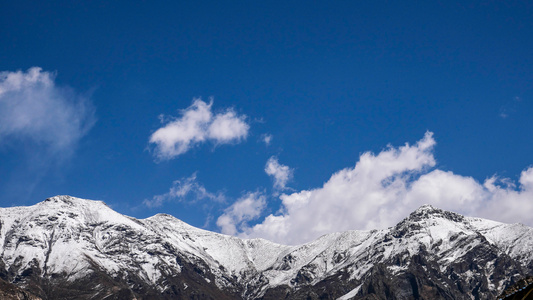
pixel 72 248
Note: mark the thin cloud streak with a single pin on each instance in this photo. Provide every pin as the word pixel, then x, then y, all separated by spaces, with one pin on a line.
pixel 186 189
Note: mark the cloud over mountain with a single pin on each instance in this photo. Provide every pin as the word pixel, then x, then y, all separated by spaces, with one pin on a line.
pixel 182 190
pixel 246 208
pixel 382 188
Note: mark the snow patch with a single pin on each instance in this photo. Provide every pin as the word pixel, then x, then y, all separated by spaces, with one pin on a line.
pixel 351 294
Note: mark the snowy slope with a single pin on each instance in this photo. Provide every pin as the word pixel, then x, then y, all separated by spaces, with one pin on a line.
pixel 68 240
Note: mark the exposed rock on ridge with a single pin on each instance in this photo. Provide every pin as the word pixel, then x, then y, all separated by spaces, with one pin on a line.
pixel 71 248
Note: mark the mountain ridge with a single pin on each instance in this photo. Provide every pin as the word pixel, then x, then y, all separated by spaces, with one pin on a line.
pixel 65 241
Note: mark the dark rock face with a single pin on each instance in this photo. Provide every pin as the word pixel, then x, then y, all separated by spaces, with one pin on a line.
pixel 68 248
pixel 9 291
pixel 522 289
pixel 422 279
pixel 189 284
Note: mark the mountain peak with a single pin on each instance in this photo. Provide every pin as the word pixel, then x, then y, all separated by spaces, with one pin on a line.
pixel 426 207
pixel 427 211
pixel 426 215
pixel 84 243
pixel 72 201
pixel 62 198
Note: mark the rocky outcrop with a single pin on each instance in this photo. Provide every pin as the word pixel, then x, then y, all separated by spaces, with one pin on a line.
pixel 521 290
pixel 70 248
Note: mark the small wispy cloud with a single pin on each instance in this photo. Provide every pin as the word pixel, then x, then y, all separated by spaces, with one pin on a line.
pixel 280 173
pixel 196 125
pixel 186 189
pixel 509 108
pixel 267 138
pixel 41 123
pixel 236 217
pixel 33 109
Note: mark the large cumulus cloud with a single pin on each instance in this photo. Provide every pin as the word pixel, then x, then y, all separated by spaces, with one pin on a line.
pixel 383 188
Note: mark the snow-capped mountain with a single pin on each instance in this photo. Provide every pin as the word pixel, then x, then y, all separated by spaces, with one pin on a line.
pixel 71 248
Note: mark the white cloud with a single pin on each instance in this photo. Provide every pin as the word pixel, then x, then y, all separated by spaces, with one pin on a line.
pixel 181 189
pixel 384 188
pixel 33 108
pixel 267 138
pixel 353 198
pixel 245 209
pixel 196 125
pixel 228 127
pixel 509 204
pixel 281 173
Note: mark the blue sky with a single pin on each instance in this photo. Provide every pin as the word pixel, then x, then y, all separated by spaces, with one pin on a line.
pixel 331 84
